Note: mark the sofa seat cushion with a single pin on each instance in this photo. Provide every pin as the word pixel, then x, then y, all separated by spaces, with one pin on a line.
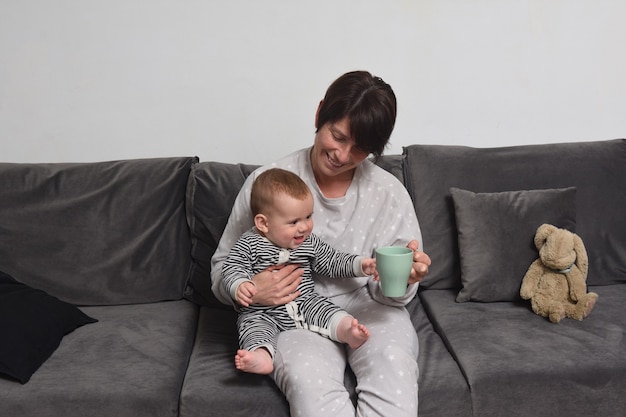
pixel 130 363
pixel 443 390
pixel 213 383
pixel 521 364
pixel 100 233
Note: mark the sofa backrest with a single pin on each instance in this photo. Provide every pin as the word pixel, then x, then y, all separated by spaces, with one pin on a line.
pixel 596 169
pixel 211 192
pixel 97 233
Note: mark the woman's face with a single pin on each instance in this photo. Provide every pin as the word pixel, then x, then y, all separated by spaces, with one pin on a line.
pixel 335 151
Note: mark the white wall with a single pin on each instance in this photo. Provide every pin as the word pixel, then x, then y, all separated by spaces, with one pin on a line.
pixel 239 81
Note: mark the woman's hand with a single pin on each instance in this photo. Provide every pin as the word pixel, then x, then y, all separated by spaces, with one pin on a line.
pixel 421 263
pixel 277 285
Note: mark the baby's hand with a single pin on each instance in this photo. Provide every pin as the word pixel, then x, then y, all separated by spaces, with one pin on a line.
pixel 369 266
pixel 245 292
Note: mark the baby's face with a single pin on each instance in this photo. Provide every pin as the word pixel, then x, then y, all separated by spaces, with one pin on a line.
pixel 291 221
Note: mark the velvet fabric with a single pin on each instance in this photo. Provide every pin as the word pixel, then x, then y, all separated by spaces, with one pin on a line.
pixel 129 364
pixel 97 233
pixel 596 169
pixel 519 364
pixel 496 237
pixel 213 383
pixel 211 192
pixel 443 390
pixel 393 164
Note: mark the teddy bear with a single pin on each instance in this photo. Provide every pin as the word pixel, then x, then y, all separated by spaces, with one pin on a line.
pixel 555 283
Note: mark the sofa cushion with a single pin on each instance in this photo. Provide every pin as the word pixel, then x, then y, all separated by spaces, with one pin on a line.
pixel 596 169
pixel 32 325
pixel 97 233
pixel 212 381
pixel 443 390
pixel 519 364
pixel 211 192
pixel 496 232
pixel 129 364
pixel 392 164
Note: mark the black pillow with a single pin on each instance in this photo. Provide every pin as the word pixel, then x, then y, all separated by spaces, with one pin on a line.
pixel 32 325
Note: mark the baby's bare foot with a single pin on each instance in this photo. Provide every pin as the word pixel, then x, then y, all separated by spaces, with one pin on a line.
pixel 353 333
pixel 257 361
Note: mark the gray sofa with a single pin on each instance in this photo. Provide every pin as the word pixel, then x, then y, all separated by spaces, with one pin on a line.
pixel 130 242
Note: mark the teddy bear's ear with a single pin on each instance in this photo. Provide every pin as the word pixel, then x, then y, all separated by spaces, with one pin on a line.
pixel 542 234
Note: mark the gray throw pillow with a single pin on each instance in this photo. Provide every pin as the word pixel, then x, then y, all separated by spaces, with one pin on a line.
pixel 496 231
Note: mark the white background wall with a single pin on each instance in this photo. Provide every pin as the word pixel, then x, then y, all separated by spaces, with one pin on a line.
pixel 239 81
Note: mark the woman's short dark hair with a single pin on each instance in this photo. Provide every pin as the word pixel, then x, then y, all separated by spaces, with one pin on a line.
pixel 370 105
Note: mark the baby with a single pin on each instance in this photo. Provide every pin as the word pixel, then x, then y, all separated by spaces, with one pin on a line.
pixel 282 206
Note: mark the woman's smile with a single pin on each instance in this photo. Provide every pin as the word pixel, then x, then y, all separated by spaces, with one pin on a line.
pixel 332 162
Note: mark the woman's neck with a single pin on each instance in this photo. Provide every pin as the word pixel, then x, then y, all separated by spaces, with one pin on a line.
pixel 335 186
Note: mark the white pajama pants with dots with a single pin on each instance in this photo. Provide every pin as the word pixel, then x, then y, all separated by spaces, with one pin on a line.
pixel 309 369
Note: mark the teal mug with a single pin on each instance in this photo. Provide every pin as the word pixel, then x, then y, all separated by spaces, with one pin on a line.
pixel 394 265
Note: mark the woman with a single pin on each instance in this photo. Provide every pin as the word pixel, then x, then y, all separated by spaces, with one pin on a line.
pixel 358 207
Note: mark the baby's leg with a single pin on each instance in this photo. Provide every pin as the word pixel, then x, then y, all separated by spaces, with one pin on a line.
pixel 351 332
pixel 257 340
pixel 257 361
